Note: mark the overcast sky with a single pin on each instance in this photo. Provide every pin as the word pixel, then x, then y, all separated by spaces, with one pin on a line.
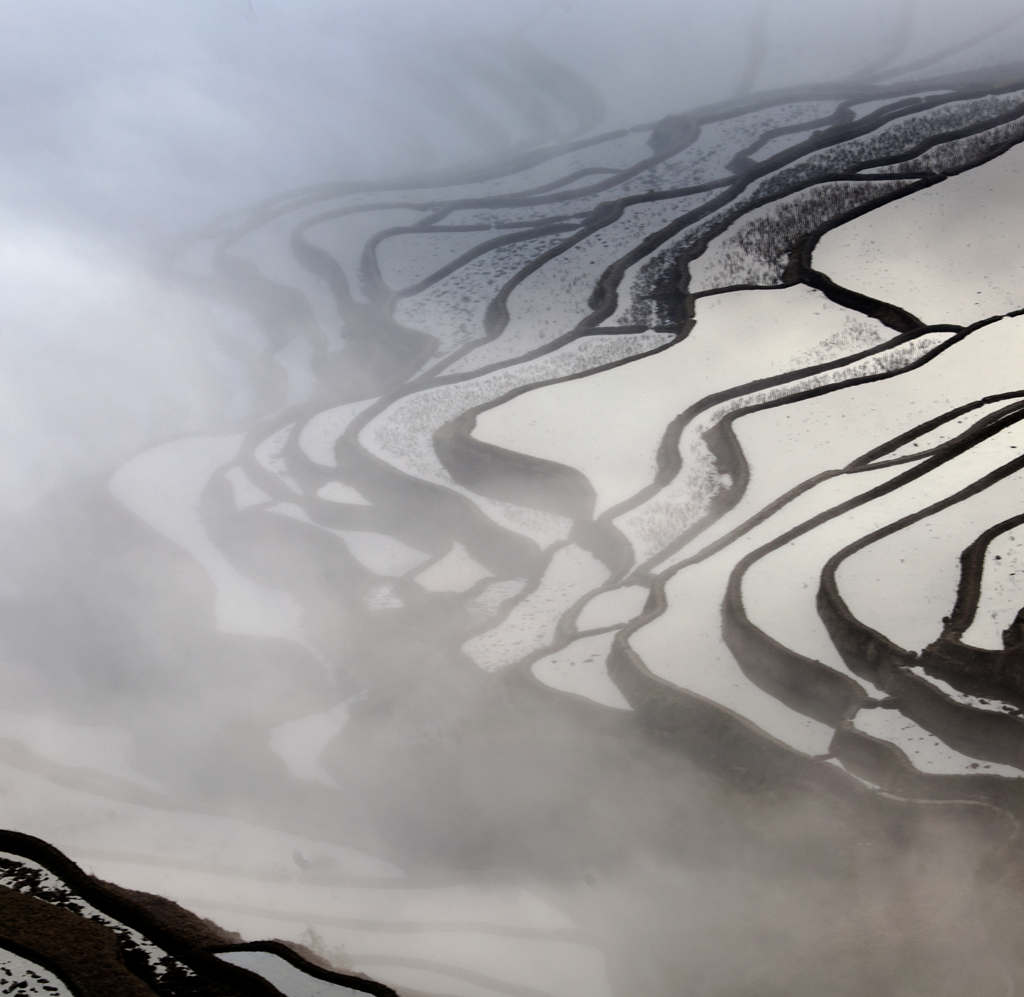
pixel 141 115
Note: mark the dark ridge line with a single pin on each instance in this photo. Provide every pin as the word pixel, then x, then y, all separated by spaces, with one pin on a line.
pixel 624 174
pixel 804 684
pixel 940 447
pixel 993 125
pixel 605 299
pixel 499 549
pixel 871 653
pixel 843 133
pixel 590 223
pixel 892 770
pixel 816 143
pixel 872 456
pixel 726 448
pixel 430 376
pixel 898 319
pixel 972 561
pixel 497 317
pixel 359 319
pixel 134 910
pixel 979 159
pixel 744 754
pixel 748 756
pixel 984 673
pixel 472 522
pixel 482 537
pixel 983 736
pixel 83 952
pixel 743 161
pixel 893 484
pixel 454 441
pixel 452 358
pixel 772 661
pixel 297 961
pixel 510 475
pixel 800 264
pixel 856 466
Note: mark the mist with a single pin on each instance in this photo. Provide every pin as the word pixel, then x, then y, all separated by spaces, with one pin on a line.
pixel 518 498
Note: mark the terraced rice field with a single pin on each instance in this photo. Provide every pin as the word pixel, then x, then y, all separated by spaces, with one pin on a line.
pixel 589 507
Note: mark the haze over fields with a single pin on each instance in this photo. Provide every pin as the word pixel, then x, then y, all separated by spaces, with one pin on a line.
pixel 517 499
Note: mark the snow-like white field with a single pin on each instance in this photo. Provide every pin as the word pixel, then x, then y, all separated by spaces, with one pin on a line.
pixel 19 975
pixel 285 977
pixel 925 751
pixel 407 258
pixel 738 337
pixel 162 487
pixel 1002 590
pixel 403 434
pixel 953 252
pixel 581 669
pixel 530 626
pixel 453 309
pixel 456 571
